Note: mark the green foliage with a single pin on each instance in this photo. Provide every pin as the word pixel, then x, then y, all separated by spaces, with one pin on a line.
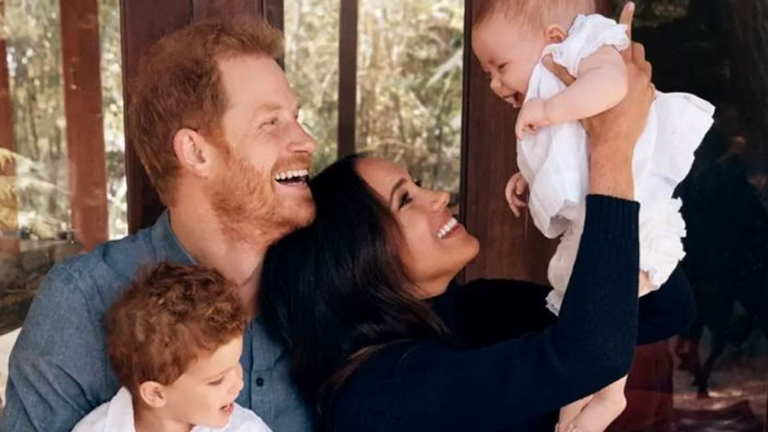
pixel 409 81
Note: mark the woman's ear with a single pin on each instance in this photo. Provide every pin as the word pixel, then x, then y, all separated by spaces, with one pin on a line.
pixel 193 151
pixel 153 394
pixel 555 33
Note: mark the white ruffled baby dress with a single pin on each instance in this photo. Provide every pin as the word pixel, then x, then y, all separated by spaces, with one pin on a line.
pixel 554 162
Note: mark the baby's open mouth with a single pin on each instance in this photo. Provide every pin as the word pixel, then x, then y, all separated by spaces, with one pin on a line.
pixel 515 99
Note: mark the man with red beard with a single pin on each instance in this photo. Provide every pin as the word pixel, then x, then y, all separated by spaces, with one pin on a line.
pixel 215 125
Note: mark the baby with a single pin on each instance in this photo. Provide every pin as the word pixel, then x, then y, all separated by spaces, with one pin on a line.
pixel 510 38
pixel 175 339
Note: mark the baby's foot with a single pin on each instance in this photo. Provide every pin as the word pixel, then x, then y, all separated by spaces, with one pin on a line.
pixel 570 412
pixel 598 415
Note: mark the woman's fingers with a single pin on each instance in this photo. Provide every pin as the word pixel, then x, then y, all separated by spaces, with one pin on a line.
pixel 626 17
pixel 638 56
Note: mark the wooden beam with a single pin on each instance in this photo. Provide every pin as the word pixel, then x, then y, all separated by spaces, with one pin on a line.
pixel 605 7
pixel 347 76
pixel 85 127
pixel 203 10
pixel 274 13
pixel 143 22
pixel 6 110
pixel 9 205
pixel 510 248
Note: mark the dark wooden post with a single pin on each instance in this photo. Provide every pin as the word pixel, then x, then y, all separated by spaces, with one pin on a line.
pixel 210 9
pixel 85 128
pixel 347 76
pixel 510 248
pixel 274 13
pixel 144 22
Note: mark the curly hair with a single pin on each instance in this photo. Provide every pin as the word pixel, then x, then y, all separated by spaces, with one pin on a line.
pixel 179 85
pixel 167 318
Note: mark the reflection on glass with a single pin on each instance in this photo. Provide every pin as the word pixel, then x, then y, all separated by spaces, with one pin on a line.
pixel 713 376
pixel 36 89
pixel 35 213
pixel 312 66
pixel 410 55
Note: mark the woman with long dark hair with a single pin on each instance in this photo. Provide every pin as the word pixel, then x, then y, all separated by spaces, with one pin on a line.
pixel 379 342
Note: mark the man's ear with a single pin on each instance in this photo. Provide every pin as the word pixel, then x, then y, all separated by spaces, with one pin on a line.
pixel 153 394
pixel 555 33
pixel 193 151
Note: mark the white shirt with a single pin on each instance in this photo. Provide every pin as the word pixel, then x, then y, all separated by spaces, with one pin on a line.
pixel 117 416
pixel 554 161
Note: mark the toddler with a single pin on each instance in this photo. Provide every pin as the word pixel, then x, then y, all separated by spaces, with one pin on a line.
pixel 175 339
pixel 510 38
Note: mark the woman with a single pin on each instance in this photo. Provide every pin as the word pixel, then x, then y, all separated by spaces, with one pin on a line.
pixel 380 343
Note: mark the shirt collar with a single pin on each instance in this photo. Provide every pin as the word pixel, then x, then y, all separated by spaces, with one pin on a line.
pixel 166 244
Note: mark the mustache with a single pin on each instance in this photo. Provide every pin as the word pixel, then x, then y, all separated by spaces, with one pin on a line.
pixel 294 162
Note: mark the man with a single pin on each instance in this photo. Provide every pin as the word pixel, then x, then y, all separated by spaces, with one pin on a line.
pixel 215 125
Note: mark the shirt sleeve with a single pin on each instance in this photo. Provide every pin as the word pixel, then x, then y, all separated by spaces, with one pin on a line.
pixel 57 365
pixel 433 386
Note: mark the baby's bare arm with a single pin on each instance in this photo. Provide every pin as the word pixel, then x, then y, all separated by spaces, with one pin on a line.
pixel 601 85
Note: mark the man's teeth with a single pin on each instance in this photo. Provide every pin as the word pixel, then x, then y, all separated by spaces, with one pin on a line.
pixel 442 232
pixel 290 175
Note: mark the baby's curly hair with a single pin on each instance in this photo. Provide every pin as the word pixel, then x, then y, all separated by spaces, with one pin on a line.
pixel 167 318
pixel 533 14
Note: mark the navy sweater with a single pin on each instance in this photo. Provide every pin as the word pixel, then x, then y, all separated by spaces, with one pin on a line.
pixel 512 364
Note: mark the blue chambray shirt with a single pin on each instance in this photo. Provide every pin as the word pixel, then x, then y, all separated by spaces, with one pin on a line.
pixel 59 367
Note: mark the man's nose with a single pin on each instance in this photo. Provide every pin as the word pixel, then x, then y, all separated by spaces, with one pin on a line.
pixel 302 141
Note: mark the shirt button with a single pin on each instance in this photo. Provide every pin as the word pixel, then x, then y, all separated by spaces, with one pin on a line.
pixel 259 382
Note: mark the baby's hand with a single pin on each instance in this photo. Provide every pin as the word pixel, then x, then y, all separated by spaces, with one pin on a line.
pixel 516 187
pixel 532 116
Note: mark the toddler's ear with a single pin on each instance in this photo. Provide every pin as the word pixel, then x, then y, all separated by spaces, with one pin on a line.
pixel 153 394
pixel 555 33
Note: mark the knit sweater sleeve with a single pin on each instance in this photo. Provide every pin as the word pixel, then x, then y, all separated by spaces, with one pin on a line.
pixel 486 311
pixel 432 386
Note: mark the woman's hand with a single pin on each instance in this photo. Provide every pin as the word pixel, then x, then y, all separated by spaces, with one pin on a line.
pixel 614 133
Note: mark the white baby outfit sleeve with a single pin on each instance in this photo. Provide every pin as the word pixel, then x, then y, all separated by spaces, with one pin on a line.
pixel 554 161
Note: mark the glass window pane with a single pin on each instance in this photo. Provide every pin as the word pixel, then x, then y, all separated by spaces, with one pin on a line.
pixel 410 55
pixel 36 204
pixel 35 200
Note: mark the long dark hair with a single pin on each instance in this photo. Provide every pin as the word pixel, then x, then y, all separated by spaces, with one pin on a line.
pixel 335 291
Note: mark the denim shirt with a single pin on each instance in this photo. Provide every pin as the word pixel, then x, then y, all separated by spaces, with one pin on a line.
pixel 60 369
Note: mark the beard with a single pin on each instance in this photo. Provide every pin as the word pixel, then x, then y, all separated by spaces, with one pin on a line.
pixel 249 209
